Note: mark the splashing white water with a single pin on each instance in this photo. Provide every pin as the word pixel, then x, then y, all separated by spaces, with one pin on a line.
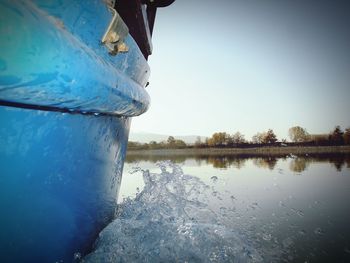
pixel 170 221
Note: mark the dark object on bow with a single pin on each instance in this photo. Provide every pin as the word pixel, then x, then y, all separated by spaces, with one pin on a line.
pixel 139 16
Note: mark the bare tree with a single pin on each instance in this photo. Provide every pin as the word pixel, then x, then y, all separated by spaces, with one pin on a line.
pixel 237 138
pixel 298 134
pixel 259 137
pixel 171 140
pixel 218 139
pixel 270 137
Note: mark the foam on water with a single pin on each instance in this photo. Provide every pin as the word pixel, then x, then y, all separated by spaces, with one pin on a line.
pixel 170 220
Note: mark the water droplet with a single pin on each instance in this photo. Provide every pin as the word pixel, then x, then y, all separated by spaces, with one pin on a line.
pixel 77 256
pixel 223 210
pixel 302 232
pixel 281 204
pixel 267 237
pixel 254 205
pixel 300 213
pixel 214 179
pixel 318 231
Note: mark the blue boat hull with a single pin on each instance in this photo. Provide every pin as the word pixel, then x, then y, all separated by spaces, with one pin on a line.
pixel 60 175
pixel 65 111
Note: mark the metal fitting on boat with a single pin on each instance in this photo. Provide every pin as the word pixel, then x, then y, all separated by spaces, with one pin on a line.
pixel 115 34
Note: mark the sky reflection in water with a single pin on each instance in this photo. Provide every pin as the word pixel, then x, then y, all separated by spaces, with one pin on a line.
pixel 290 208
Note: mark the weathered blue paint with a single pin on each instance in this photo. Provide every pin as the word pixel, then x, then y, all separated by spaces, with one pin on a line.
pixel 52 56
pixel 60 172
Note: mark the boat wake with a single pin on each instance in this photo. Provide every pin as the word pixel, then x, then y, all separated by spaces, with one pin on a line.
pixel 170 220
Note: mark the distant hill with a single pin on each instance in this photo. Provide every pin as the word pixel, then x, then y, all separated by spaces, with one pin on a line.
pixel 144 137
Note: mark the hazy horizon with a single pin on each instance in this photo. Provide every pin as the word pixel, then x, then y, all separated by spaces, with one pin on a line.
pixel 248 67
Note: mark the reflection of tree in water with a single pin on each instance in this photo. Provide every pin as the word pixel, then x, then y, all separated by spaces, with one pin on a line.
pixel 224 162
pixel 238 162
pixel 338 166
pixel 298 165
pixel 338 162
pixel 218 162
pixel 199 161
pixel 265 162
pixel 155 158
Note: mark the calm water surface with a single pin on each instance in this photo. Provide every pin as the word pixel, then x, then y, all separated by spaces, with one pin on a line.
pixel 290 209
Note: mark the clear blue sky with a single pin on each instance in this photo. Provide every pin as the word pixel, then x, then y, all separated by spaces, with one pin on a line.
pixel 249 66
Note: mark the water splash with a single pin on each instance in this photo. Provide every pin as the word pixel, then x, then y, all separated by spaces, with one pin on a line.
pixel 170 220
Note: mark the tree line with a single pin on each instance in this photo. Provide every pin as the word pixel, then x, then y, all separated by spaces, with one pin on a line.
pixel 298 137
pixel 336 137
pixel 170 143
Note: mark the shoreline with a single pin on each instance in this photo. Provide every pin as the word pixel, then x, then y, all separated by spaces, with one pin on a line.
pixel 259 151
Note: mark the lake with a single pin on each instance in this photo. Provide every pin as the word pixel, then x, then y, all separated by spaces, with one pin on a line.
pixel 230 209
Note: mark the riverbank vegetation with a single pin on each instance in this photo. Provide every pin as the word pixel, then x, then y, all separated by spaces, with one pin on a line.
pixel 266 141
